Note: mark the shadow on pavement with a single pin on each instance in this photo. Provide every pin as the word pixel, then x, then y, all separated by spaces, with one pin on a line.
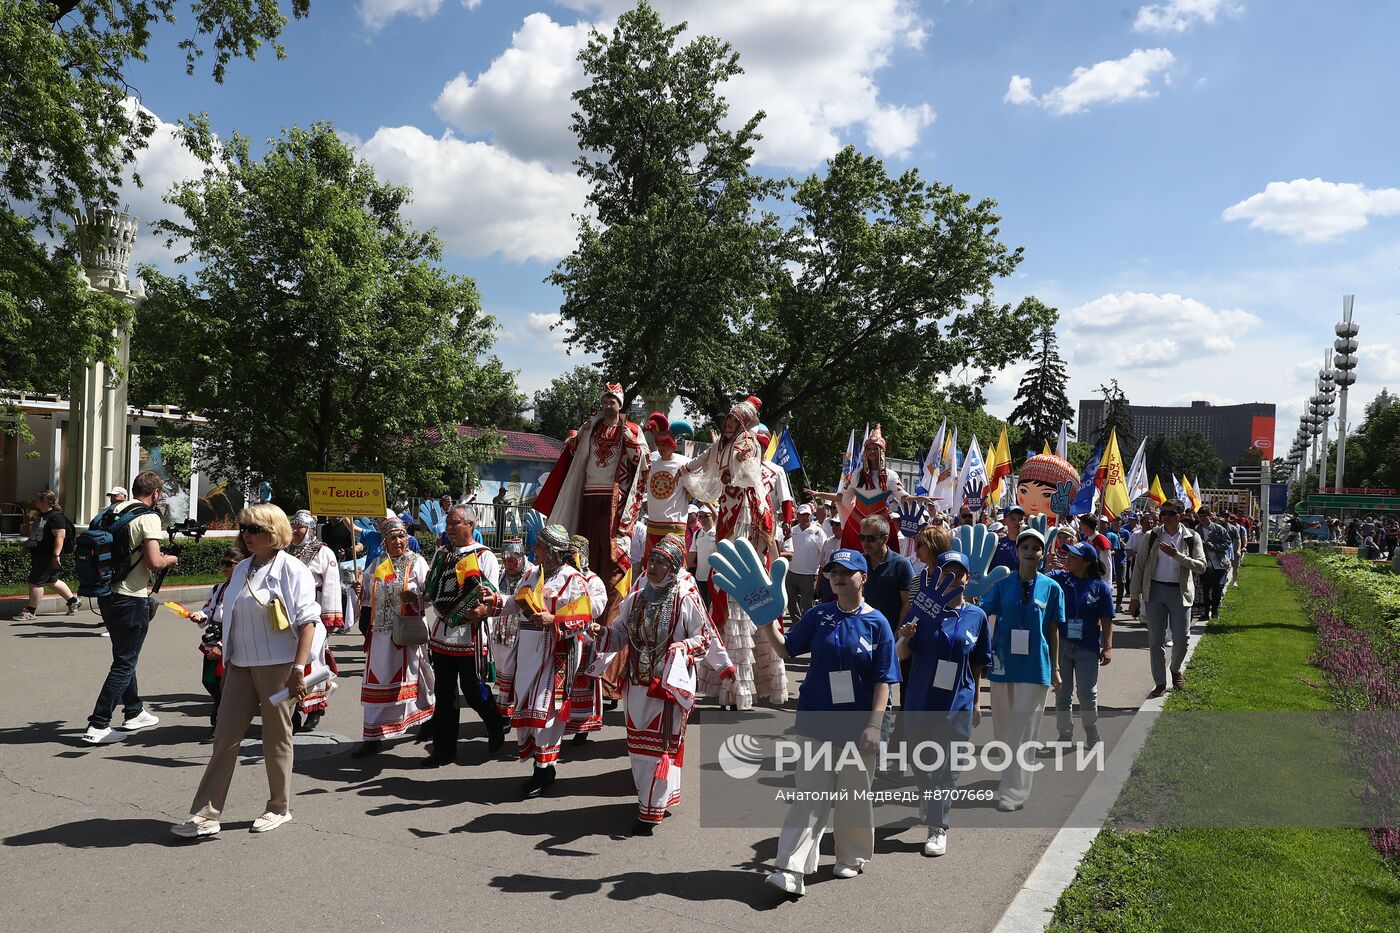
pixel 560 827
pixel 740 887
pixel 97 834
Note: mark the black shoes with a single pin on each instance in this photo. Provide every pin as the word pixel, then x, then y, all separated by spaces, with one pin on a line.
pixel 539 781
pixel 312 721
pixel 1158 691
pixel 496 738
pixel 437 761
pixel 367 748
pixel 580 738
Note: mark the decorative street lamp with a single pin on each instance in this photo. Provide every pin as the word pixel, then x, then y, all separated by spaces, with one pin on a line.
pixel 1345 362
pixel 1326 395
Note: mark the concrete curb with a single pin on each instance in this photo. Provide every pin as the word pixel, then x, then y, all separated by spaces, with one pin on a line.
pixel 1034 903
pixel 196 593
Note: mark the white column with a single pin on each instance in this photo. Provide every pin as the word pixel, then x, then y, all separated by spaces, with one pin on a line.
pixel 133 456
pixel 56 457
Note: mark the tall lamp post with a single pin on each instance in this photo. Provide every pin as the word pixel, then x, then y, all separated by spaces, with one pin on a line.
pixel 1345 362
pixel 1326 395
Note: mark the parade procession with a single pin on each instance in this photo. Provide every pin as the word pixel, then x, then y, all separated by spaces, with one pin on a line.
pixel 671 464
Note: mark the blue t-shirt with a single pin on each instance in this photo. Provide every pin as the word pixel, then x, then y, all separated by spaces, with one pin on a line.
pixel 885 582
pixel 1015 613
pixel 1005 555
pixel 860 642
pixel 959 638
pixel 1115 543
pixel 1088 601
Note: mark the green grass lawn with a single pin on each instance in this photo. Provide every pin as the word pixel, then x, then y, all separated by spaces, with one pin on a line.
pixel 19 589
pixel 1255 658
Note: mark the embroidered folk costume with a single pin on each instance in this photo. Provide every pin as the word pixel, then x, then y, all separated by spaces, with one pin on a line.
pixel 547 652
pixel 665 626
pixel 586 694
pixel 663 498
pixel 321 561
pixel 873 490
pixel 398 685
pixel 505 625
pixel 730 471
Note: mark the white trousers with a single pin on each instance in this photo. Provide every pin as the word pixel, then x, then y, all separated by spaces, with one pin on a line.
pixel 800 841
pixel 1016 712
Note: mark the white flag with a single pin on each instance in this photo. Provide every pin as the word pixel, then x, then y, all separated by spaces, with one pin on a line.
pixel 948 476
pixel 1138 483
pixel 1062 445
pixel 972 481
pixel 928 479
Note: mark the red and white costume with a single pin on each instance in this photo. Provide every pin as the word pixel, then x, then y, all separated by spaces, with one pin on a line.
pixel 325 570
pixel 586 696
pixel 874 490
pixel 546 659
pixel 398 685
pixel 505 626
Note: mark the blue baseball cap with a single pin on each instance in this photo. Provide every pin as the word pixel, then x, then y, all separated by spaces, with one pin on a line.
pixel 1083 549
pixel 851 560
pixel 953 557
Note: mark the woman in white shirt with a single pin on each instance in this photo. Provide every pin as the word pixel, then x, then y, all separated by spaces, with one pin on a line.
pixel 259 661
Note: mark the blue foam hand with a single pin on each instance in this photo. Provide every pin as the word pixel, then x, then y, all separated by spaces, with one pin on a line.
pixel 534 524
pixel 943 591
pixel 1041 523
pixel 1062 499
pixel 912 517
pixel 978 544
pixel 737 569
pixel 975 497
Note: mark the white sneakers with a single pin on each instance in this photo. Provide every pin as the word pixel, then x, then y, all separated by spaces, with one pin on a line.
pixel 196 826
pixel 789 882
pixel 848 871
pixel 937 842
pixel 96 736
pixel 142 720
pixel 270 821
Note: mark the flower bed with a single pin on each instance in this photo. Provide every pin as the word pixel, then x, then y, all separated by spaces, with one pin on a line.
pixel 1356 608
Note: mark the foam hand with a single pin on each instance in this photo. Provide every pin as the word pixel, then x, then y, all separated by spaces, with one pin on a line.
pixel 736 568
pixel 979 545
pixel 912 517
pixel 1062 499
pixel 534 524
pixel 944 590
pixel 1041 523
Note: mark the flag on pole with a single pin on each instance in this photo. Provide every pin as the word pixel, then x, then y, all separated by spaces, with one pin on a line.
pixel 1062 445
pixel 1115 483
pixel 1192 500
pixel 1045 451
pixel 860 451
pixel 1196 489
pixel 848 462
pixel 1137 473
pixel 947 473
pixel 972 488
pixel 783 453
pixel 1155 494
pixel 1088 488
pixel 1180 489
pixel 998 467
pixel 928 476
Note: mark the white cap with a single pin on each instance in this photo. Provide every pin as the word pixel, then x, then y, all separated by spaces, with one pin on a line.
pixel 998 526
pixel 804 509
pixel 692 509
pixel 117 491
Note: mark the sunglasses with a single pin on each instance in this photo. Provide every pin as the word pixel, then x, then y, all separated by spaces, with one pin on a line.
pixel 252 529
pixel 870 539
pixel 1170 514
pixel 228 563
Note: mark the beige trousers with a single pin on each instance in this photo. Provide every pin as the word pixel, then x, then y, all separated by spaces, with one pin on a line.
pixel 852 818
pixel 245 693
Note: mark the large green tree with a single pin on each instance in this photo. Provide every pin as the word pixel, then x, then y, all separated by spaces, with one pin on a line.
pixel 673 244
pixel 1041 403
pixel 69 130
pixel 1373 452
pixel 570 398
pixel 318 331
pixel 1117 414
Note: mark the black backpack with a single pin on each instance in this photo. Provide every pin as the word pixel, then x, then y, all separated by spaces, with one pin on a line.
pixel 103 553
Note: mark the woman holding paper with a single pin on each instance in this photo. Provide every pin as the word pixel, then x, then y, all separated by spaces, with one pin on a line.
pixel 664 625
pixel 1028 609
pixel 948 644
pixel 266 649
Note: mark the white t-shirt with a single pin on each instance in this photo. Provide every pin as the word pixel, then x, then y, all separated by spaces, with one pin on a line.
pixel 703 543
pixel 666 495
pixel 807 548
pixel 602 453
pixel 1167 570
pixel 829 546
pixel 639 542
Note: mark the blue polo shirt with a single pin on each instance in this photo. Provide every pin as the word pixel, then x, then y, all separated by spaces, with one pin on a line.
pixel 959 638
pixel 1015 613
pixel 1005 555
pixel 860 642
pixel 886 581
pixel 1088 601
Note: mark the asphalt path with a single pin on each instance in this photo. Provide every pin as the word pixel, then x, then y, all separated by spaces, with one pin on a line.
pixel 381 843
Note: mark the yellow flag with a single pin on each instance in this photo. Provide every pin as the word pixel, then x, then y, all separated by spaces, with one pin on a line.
pixel 772 449
pixel 1191 494
pixel 1046 451
pixel 1155 494
pixel 1115 482
pixel 998 467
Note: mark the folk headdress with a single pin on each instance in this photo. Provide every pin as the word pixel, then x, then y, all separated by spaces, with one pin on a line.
pixel 874 462
pixel 615 390
pixel 579 555
pixel 311 544
pixel 556 539
pixel 671 549
pixel 660 428
pixel 747 412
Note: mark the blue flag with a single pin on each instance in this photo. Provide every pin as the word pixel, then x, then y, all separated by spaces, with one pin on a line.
pixel 786 454
pixel 1084 500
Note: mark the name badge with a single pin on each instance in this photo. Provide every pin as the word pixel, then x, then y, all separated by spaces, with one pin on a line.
pixel 945 676
pixel 1076 628
pixel 843 689
pixel 1020 641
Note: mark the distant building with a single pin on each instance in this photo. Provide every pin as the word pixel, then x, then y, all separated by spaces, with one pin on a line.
pixel 1228 428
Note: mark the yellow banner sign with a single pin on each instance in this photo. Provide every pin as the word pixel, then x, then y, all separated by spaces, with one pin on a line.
pixel 346 494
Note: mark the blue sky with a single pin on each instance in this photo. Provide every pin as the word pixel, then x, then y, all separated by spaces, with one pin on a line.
pixel 1195 182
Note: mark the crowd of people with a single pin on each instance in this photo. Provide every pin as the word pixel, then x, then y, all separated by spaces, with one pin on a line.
pixel 621 589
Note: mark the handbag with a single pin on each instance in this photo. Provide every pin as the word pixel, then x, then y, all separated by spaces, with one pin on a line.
pixel 277 616
pixel 409 631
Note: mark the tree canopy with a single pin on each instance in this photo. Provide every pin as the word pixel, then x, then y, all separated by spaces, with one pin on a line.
pixel 569 400
pixel 1041 402
pixel 318 331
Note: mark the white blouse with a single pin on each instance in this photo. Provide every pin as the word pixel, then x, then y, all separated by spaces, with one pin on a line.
pixel 249 638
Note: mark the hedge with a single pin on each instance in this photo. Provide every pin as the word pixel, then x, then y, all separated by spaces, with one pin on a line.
pixel 197 558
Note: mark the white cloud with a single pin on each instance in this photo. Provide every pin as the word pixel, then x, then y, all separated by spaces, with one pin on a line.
pixel 1177 15
pixel 376 13
pixel 1107 82
pixel 481 199
pixel 550 329
pixel 1312 209
pixel 163 162
pixel 1019 91
pixel 809 64
pixel 1150 331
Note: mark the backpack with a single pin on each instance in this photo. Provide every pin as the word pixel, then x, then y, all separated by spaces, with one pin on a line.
pixel 103 552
